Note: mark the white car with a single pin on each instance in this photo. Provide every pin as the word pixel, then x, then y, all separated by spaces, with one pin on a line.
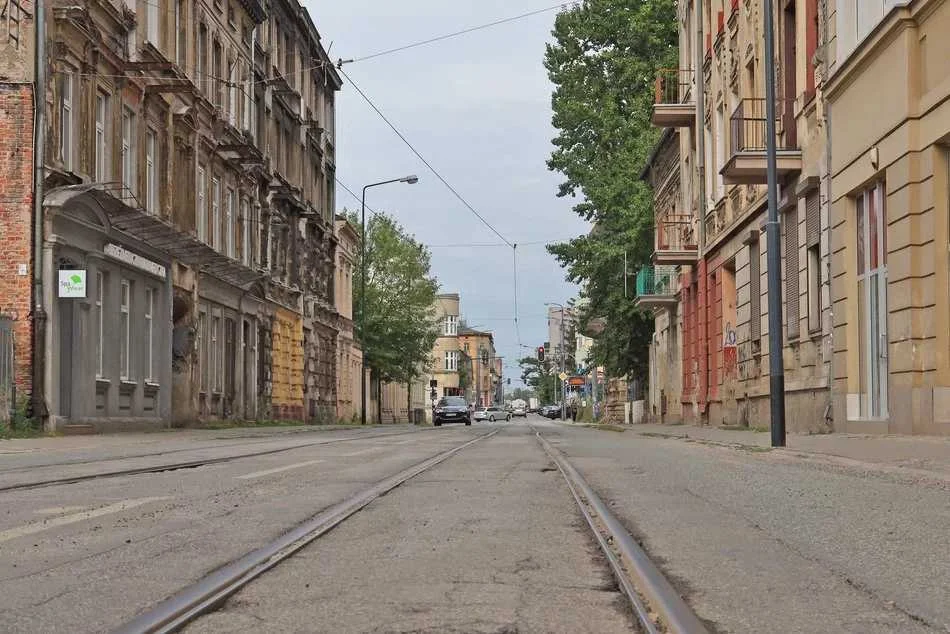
pixel 491 414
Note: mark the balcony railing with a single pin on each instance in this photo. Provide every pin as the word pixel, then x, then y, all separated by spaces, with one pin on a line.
pixel 655 286
pixel 673 98
pixel 675 240
pixel 747 163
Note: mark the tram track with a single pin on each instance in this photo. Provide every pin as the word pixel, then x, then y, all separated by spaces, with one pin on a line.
pixel 175 466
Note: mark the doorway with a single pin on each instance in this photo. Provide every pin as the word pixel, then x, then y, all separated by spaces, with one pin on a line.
pixel 872 301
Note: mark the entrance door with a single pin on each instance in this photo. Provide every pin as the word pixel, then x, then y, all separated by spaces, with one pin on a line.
pixel 250 385
pixel 872 300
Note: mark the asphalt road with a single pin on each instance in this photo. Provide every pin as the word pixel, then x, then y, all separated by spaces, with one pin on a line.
pixel 488 541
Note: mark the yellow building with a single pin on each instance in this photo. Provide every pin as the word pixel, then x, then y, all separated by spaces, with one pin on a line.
pixel 349 361
pixel 479 354
pixel 446 354
pixel 888 97
pixel 287 366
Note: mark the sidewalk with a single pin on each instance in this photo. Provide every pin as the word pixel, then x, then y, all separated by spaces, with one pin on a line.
pixel 925 456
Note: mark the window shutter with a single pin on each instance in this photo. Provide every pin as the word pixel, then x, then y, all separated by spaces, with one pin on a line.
pixel 792 314
pixel 812 220
pixel 755 292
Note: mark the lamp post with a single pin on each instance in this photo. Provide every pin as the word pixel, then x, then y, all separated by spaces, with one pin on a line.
pixel 561 359
pixel 411 180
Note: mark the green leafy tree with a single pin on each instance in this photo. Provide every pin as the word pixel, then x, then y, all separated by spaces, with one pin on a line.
pixel 539 377
pixel 603 62
pixel 401 325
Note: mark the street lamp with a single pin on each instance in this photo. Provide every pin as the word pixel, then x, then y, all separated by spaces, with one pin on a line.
pixel 410 180
pixel 561 356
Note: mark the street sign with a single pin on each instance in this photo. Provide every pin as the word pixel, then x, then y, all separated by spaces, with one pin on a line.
pixel 562 376
pixel 72 283
pixel 577 381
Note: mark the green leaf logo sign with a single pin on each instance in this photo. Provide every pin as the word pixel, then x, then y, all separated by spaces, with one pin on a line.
pixel 75 279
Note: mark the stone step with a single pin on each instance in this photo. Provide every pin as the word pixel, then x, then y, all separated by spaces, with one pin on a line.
pixel 78 430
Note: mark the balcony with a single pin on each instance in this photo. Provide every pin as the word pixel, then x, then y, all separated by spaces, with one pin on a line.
pixel 675 240
pixel 655 287
pixel 673 105
pixel 747 164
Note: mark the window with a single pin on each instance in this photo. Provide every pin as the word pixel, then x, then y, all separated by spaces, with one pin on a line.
pixel 245 234
pixel 229 225
pixel 216 213
pixel 871 249
pixel 813 244
pixel 102 144
pixel 100 321
pixel 151 22
pixel 151 172
pixel 792 272
pixel 248 102
pixel 202 208
pixel 66 133
pixel 450 325
pixel 755 296
pixel 452 361
pixel 203 339
pixel 720 151
pixel 232 92
pixel 125 334
pixel 213 348
pixel 149 333
pixel 254 231
pixel 201 59
pixel 181 41
pixel 216 70
pixel 128 150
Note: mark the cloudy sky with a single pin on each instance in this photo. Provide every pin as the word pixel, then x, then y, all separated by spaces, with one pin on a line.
pixel 478 108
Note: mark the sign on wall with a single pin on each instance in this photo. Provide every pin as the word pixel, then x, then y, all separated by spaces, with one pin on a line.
pixel 72 283
pixel 133 259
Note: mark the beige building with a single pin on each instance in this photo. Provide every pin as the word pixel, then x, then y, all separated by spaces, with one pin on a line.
pixel 888 98
pixel 446 354
pixel 349 361
pixel 708 281
pixel 479 354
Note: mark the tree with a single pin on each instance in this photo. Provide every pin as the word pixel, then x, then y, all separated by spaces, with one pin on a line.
pixel 539 376
pixel 401 325
pixel 603 63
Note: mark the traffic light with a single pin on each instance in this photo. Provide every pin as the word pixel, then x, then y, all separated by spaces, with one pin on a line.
pixel 540 353
pixel 433 383
pixel 509 381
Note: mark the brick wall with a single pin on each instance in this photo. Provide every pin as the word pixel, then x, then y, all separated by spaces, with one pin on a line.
pixel 16 200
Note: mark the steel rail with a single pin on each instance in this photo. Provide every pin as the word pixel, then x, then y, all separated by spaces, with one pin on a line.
pixel 189 464
pixel 208 593
pixel 675 615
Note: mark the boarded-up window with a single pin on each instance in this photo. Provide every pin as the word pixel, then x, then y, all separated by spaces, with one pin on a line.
pixel 755 296
pixel 792 314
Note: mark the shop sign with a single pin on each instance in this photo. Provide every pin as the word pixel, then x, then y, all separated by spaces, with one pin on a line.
pixel 132 259
pixel 72 283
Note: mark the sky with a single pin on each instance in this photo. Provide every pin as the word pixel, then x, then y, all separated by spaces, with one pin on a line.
pixel 478 108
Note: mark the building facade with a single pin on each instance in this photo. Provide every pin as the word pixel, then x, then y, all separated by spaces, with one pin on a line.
pixel 349 362
pixel 189 196
pixel 889 215
pixel 479 354
pixel 710 262
pixel 446 354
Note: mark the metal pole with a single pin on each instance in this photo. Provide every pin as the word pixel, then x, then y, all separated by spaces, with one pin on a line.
pixel 563 391
pixel 773 245
pixel 37 396
pixel 363 307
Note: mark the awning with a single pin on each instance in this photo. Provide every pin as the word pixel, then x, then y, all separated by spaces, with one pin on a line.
pixel 156 232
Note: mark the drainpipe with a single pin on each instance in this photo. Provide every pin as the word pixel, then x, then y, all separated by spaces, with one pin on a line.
pixel 38 395
pixel 829 410
pixel 701 307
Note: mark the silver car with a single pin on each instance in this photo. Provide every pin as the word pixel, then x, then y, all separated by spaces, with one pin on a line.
pixel 491 414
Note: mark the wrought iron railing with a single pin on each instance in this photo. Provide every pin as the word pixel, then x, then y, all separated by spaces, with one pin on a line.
pixel 673 86
pixel 749 129
pixel 655 280
pixel 674 232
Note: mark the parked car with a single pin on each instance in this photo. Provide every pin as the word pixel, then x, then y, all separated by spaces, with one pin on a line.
pixel 491 414
pixel 451 409
pixel 519 410
pixel 551 411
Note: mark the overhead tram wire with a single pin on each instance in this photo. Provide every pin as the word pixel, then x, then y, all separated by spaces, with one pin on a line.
pixel 455 34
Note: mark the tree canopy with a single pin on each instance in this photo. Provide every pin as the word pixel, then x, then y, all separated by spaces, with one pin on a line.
pixel 401 325
pixel 603 63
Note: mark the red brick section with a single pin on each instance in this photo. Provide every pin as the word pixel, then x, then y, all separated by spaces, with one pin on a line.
pixel 16 201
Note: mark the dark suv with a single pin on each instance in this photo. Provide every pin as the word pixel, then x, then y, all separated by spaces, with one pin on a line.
pixel 452 409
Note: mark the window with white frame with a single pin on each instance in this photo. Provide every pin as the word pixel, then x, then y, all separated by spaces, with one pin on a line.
pixel 452 361
pixel 245 233
pixel 151 171
pixel 232 93
pixel 100 321
pixel 151 22
pixel 216 213
pixel 201 211
pixel 203 338
pixel 128 150
pixel 181 37
pixel 102 137
pixel 125 329
pixel 149 334
pixel 450 325
pixel 254 231
pixel 67 139
pixel 229 225
pixel 720 150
